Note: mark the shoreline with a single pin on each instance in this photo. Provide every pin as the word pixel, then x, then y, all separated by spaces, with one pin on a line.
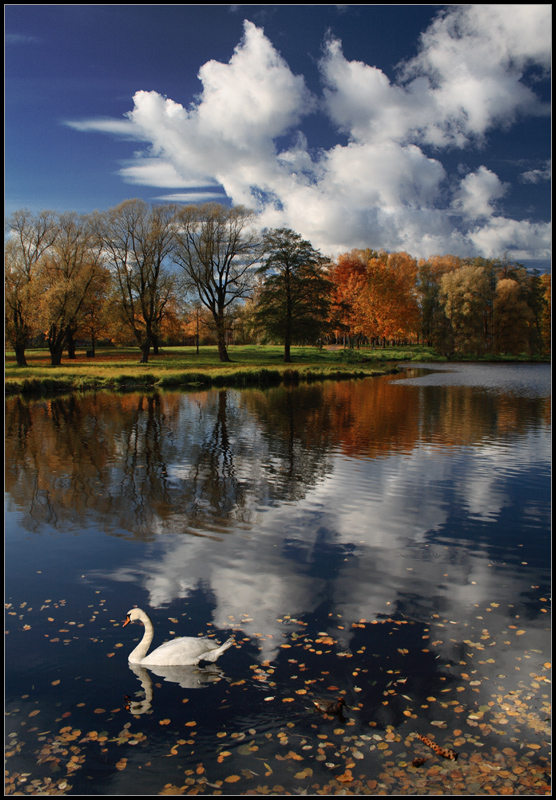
pixel 250 367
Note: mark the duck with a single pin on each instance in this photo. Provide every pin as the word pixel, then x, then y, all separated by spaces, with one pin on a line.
pixel 332 707
pixel 183 651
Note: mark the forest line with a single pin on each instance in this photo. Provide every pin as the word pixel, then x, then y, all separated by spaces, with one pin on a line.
pixel 168 274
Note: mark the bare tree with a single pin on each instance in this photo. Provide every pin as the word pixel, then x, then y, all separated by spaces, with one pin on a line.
pixel 217 249
pixel 137 240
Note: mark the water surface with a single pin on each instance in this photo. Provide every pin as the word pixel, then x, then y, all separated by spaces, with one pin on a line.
pixel 384 540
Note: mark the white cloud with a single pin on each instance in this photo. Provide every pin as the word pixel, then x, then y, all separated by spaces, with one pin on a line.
pixel 538 175
pixel 380 189
pixel 477 193
pixel 156 172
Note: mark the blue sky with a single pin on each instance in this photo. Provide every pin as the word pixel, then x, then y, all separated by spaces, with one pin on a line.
pixel 423 128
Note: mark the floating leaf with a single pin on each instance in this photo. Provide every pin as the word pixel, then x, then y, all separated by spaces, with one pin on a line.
pixel 232 779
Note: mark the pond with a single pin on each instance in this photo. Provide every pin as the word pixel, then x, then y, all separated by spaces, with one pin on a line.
pixel 384 542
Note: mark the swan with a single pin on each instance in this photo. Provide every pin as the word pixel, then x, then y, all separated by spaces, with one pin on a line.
pixel 184 651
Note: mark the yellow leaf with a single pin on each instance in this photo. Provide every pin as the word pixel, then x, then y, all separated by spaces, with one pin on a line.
pixel 34 713
pixel 232 778
pixel 55 683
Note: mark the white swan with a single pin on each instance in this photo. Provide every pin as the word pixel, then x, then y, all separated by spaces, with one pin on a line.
pixel 185 651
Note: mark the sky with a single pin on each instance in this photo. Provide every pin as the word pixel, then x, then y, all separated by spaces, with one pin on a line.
pixel 423 128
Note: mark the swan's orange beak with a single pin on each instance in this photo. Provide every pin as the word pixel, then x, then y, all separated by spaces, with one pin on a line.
pixel 127 621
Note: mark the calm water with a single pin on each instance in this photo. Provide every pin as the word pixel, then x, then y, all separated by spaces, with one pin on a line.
pixel 385 540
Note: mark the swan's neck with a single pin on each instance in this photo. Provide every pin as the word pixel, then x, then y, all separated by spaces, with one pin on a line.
pixel 137 655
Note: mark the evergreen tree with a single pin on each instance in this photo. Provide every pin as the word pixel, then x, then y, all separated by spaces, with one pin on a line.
pixel 294 302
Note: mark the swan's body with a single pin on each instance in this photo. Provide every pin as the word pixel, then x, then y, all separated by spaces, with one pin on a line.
pixel 185 651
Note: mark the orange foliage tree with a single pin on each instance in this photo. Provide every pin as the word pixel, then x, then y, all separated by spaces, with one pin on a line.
pixel 375 295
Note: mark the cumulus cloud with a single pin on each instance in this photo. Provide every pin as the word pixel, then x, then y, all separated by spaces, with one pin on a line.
pixel 477 193
pixel 386 186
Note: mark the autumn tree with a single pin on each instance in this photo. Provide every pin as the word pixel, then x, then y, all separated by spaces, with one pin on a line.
pixel 434 326
pixel 67 270
pixel 137 240
pixel 392 303
pixel 349 283
pixel 96 312
pixel 545 321
pixel 30 237
pixel 512 319
pixel 466 295
pixel 295 297
pixel 217 249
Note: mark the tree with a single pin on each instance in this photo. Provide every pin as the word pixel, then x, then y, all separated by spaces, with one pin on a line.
pixel 434 325
pixel 94 318
pixel 30 238
pixel 137 240
pixel 391 302
pixel 545 321
pixel 513 319
pixel 66 273
pixel 217 248
pixel 295 299
pixel 349 279
pixel 466 296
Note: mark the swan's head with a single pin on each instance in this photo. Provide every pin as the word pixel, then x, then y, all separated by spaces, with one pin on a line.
pixel 133 615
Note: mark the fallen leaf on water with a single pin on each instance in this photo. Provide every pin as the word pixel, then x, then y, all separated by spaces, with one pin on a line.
pixel 232 778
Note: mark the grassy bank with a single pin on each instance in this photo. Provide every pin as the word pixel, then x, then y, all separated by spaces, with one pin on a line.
pixel 119 368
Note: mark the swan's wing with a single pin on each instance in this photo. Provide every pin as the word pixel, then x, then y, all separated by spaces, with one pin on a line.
pixel 186 650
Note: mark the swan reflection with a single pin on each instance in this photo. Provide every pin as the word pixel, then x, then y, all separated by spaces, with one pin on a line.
pixel 186 677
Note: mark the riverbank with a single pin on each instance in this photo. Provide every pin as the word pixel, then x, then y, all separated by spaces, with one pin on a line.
pixel 182 367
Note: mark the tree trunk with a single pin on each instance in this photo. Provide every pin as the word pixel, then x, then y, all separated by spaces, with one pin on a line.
pixel 56 342
pixel 20 355
pixel 70 341
pixel 145 348
pixel 221 338
pixel 56 351
pixel 287 353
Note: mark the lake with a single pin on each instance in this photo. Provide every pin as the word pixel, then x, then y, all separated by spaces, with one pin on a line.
pixel 383 541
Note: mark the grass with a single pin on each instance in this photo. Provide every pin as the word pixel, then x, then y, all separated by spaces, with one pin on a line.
pixel 119 368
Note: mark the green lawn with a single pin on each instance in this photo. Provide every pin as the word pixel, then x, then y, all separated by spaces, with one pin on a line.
pixel 182 366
